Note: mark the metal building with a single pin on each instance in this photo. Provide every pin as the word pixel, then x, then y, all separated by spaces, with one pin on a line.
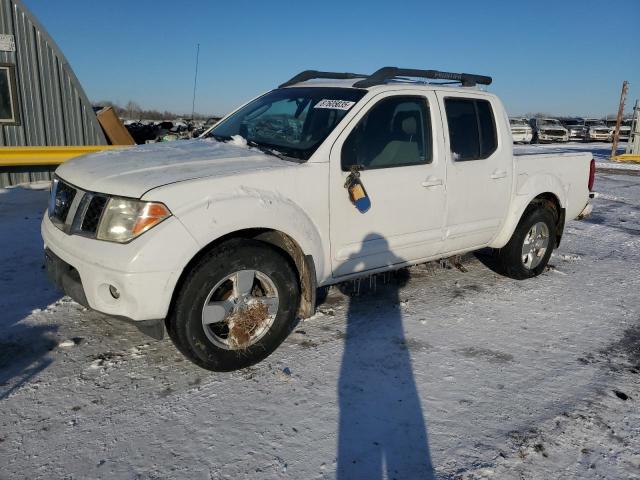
pixel 41 101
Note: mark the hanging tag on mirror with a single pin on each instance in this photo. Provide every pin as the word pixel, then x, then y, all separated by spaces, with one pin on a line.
pixel 357 193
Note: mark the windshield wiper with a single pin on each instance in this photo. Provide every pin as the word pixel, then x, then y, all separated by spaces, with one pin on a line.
pixel 265 149
pixel 219 138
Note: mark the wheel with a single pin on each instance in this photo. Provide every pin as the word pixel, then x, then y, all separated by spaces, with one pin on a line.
pixel 529 249
pixel 235 307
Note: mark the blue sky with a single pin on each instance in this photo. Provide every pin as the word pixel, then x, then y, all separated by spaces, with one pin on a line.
pixel 561 57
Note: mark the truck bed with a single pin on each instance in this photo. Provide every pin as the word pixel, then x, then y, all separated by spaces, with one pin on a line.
pixel 570 170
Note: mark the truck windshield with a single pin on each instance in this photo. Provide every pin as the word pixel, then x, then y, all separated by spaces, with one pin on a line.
pixel 549 121
pixel 290 121
pixel 518 122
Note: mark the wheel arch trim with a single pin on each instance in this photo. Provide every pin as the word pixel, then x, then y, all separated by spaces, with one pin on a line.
pixel 520 203
pixel 304 264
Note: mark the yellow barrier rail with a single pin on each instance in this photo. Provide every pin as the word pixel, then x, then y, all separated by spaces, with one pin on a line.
pixel 45 156
pixel 627 157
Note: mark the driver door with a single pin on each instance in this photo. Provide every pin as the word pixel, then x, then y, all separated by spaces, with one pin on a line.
pixel 393 142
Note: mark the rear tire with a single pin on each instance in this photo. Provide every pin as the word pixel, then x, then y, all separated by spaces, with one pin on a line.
pixel 219 289
pixel 528 251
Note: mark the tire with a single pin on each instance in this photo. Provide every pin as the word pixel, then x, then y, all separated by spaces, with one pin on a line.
pixel 512 260
pixel 219 287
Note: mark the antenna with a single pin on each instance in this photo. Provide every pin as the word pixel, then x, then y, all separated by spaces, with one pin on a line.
pixel 195 83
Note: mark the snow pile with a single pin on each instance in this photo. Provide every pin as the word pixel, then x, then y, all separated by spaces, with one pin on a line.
pixel 238 141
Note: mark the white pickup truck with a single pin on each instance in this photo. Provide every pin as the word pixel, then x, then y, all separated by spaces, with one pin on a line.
pixel 224 240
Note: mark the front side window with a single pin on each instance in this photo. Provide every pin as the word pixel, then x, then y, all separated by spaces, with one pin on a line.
pixel 8 95
pixel 395 132
pixel 291 121
pixel 472 128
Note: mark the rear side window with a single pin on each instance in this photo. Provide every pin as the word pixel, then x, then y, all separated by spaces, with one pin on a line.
pixel 472 128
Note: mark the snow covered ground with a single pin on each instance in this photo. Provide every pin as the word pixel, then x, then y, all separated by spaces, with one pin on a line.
pixel 446 372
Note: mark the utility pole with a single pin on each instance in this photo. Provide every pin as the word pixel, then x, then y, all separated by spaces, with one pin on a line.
pixel 616 133
pixel 195 83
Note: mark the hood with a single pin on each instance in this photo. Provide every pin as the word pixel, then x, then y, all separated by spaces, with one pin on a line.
pixel 551 127
pixel 132 171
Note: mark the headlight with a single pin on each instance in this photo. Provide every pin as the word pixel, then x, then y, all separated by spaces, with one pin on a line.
pixel 124 219
pixel 52 196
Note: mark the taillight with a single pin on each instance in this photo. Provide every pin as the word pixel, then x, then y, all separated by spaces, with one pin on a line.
pixel 592 174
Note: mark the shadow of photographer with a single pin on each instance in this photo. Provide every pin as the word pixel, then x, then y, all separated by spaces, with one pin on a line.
pixel 25 343
pixel 382 431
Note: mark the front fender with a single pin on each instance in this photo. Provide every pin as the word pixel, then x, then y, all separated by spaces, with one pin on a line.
pixel 253 208
pixel 527 188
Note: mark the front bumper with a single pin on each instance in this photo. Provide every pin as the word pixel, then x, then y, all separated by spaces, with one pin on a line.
pixel 522 137
pixel 603 137
pixel 144 272
pixel 64 277
pixel 544 137
pixel 576 135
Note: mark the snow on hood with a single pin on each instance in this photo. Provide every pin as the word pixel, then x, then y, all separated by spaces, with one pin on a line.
pixel 132 171
pixel 551 127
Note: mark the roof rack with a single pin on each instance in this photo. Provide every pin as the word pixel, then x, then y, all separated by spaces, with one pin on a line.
pixel 385 74
pixel 381 76
pixel 311 74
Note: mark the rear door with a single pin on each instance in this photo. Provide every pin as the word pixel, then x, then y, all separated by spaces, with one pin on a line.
pixel 479 169
pixel 394 141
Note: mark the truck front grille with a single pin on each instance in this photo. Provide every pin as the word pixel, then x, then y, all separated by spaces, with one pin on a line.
pixel 92 214
pixel 555 133
pixel 73 210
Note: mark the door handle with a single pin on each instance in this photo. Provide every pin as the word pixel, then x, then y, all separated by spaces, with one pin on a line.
pixel 498 174
pixel 432 182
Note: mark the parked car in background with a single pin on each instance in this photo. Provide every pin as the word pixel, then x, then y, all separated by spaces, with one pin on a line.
pixel 575 127
pixel 520 130
pixel 547 130
pixel 597 130
pixel 625 128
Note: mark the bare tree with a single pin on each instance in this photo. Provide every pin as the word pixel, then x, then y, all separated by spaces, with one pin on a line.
pixel 133 110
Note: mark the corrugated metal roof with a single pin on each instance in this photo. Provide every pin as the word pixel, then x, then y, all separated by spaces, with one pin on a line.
pixel 54 110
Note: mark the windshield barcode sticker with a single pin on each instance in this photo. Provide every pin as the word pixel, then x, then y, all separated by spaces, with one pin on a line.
pixel 335 104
